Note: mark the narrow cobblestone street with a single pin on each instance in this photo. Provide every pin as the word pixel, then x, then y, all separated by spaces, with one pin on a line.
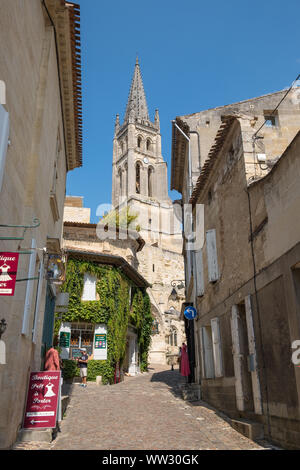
pixel 143 413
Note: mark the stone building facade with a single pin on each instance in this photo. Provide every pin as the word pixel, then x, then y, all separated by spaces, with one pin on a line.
pixel 81 240
pixel 244 279
pixel 80 234
pixel 140 181
pixel 40 141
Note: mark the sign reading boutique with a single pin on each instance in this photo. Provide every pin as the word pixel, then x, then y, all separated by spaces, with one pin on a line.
pixel 8 272
pixel 42 400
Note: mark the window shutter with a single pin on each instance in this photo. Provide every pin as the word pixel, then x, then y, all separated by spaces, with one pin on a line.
pixel 38 302
pixel 199 273
pixel 89 287
pixel 237 359
pixel 29 289
pixel 201 345
pixel 4 136
pixel 188 268
pixel 217 347
pixel 212 259
pixel 208 353
pixel 252 352
pixel 2 353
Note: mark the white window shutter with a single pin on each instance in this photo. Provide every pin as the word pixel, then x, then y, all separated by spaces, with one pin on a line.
pixel 212 258
pixel 89 287
pixel 2 353
pixel 217 347
pixel 208 353
pixel 188 268
pixel 198 272
pixel 252 351
pixel 201 344
pixel 38 303
pixel 4 136
pixel 29 289
pixel 237 358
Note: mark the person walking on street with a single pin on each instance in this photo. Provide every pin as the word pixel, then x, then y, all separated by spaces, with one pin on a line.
pixel 82 363
pixel 52 360
pixel 184 363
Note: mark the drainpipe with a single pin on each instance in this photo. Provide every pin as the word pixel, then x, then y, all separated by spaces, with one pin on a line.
pixel 263 368
pixel 189 325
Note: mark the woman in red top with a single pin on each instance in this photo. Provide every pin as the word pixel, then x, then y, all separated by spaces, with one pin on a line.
pixel 52 359
pixel 184 363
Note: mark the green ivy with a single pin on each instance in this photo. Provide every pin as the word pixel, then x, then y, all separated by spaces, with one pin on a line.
pixel 113 308
pixel 95 368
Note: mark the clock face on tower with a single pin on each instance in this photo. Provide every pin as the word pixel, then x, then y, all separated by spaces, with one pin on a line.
pixel 146 160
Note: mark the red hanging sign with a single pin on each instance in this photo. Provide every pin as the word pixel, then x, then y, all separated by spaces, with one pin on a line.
pixel 42 400
pixel 8 272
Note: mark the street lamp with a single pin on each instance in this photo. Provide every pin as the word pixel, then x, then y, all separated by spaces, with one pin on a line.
pixel 173 295
pixel 179 283
pixel 176 284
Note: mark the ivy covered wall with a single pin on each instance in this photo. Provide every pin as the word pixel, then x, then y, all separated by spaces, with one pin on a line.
pixel 120 303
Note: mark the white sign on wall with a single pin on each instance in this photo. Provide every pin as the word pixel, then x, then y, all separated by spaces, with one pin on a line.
pixel 100 342
pixel 65 349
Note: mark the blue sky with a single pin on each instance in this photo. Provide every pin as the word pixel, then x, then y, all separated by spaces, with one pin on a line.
pixel 193 56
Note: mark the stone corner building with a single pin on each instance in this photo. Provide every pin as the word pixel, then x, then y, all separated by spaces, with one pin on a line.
pixel 81 242
pixel 140 180
pixel 40 141
pixel 244 280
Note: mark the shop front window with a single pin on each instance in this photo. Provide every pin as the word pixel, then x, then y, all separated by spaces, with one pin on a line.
pixel 82 336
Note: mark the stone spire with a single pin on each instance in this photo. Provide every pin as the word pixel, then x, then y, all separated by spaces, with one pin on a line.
pixel 137 104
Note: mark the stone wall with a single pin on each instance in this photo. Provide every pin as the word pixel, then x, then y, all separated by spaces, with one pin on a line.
pixel 28 66
pixel 268 273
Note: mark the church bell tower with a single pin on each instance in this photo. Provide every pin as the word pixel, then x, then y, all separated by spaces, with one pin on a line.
pixel 140 180
pixel 139 170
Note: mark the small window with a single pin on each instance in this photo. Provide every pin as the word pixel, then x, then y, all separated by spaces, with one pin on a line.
pixel 172 340
pixel 89 287
pixel 209 196
pixel 138 178
pixel 139 142
pixel 207 123
pixel 271 120
pixel 148 145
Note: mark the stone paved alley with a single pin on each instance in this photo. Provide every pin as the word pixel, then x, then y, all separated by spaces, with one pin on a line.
pixel 144 412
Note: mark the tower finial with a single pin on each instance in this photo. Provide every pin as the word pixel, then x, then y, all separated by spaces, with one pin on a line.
pixel 137 104
pixel 137 60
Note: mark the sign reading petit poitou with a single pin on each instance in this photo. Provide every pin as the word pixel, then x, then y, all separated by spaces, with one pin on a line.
pixel 42 400
pixel 8 272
